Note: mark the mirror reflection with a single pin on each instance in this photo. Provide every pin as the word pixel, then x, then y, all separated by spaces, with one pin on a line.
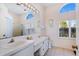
pixel 15 23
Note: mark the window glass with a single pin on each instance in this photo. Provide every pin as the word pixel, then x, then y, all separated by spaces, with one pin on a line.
pixel 73 28
pixel 64 29
pixel 68 7
pixel 67 28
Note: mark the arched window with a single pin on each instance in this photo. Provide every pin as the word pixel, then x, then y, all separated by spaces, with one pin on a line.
pixel 68 7
pixel 29 15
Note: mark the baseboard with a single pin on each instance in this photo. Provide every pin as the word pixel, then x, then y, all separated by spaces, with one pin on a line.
pixel 62 48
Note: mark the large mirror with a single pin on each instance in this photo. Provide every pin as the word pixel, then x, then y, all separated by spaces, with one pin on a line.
pixel 16 20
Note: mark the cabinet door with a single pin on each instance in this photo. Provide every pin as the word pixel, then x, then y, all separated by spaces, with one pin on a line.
pixel 44 47
pixel 42 50
pixel 29 51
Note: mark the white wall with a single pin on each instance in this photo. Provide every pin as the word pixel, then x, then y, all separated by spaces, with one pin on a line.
pixel 53 31
pixel 6 22
pixel 77 30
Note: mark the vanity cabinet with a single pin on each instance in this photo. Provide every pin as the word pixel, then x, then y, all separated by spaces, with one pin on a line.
pixel 41 48
pixel 28 51
pixel 44 47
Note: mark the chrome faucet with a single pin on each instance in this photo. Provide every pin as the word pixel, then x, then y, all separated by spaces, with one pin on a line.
pixel 11 41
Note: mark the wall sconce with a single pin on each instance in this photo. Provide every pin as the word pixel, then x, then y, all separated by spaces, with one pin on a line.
pixel 51 22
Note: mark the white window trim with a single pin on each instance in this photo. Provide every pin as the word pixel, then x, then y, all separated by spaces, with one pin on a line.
pixel 69 37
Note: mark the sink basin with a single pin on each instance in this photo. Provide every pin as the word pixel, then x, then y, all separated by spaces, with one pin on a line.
pixel 11 47
pixel 14 44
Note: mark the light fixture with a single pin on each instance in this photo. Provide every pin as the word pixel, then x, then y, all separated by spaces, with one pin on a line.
pixel 28 6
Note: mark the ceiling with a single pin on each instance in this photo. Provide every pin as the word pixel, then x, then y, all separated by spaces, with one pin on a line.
pixel 47 4
pixel 14 8
pixel 20 10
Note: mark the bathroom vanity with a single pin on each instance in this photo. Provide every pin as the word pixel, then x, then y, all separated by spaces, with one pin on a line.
pixel 20 48
pixel 23 47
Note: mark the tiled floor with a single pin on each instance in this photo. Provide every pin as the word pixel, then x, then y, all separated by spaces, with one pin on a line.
pixel 59 52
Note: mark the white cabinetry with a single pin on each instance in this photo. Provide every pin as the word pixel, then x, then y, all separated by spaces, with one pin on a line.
pixel 44 47
pixel 41 47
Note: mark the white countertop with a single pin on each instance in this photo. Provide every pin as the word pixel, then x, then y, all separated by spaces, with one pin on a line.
pixel 23 43
pixel 10 50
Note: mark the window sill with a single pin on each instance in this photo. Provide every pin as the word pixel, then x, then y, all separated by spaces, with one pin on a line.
pixel 67 38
